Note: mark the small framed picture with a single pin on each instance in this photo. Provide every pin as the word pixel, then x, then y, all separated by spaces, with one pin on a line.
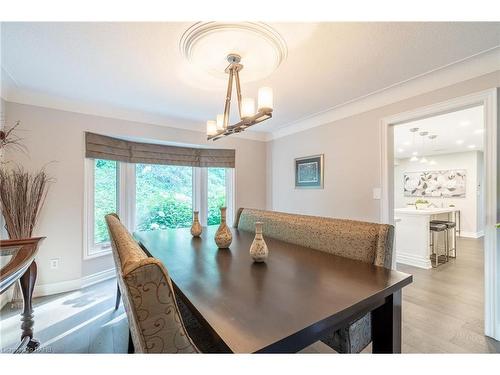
pixel 309 172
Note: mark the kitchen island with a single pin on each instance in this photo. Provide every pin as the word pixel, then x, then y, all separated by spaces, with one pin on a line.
pixel 412 234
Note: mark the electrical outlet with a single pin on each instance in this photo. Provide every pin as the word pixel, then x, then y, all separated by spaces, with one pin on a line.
pixel 54 263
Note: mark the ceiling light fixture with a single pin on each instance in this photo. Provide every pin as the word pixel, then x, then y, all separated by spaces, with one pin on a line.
pixel 464 123
pixel 246 106
pixel 423 160
pixel 471 146
pixel 433 137
pixel 459 141
pixel 414 153
pixel 479 131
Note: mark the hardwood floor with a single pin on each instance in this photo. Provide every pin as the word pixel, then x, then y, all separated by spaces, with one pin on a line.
pixel 443 309
pixel 442 313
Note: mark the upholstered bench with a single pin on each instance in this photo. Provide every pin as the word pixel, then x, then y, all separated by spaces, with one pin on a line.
pixel 363 241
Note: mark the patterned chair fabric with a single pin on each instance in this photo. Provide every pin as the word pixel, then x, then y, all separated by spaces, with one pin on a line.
pixel 154 319
pixel 367 242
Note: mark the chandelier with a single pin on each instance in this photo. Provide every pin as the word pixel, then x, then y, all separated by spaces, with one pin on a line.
pixel 246 106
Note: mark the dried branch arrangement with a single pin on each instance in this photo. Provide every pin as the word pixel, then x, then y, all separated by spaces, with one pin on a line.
pixel 8 138
pixel 22 195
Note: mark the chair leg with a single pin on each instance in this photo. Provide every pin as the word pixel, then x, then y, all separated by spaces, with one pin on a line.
pixel 118 296
pixel 435 251
pixel 130 349
pixel 455 241
pixel 446 244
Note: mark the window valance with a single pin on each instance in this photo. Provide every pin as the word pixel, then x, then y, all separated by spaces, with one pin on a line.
pixel 99 146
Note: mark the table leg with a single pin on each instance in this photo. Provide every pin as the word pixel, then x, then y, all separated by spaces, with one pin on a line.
pixel 386 325
pixel 27 281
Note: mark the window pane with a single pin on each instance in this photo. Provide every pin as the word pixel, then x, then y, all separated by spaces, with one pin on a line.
pixel 105 194
pixel 216 194
pixel 164 196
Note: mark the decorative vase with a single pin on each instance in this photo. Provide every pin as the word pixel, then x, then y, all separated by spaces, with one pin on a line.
pixel 259 250
pixel 196 227
pixel 223 236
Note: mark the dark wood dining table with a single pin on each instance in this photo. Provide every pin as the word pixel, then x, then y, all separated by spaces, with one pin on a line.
pixel 283 305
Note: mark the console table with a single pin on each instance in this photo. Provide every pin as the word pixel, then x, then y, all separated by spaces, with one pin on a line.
pixel 20 265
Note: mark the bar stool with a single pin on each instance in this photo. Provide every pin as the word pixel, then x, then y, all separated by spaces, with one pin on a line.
pixel 437 228
pixel 450 226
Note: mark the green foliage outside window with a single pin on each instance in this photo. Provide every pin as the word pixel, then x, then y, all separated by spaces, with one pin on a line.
pixel 105 196
pixel 164 196
pixel 216 194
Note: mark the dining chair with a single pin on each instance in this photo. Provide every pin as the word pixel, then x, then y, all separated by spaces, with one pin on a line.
pixel 155 320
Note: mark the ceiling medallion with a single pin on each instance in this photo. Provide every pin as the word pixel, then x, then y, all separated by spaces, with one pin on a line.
pixel 205 46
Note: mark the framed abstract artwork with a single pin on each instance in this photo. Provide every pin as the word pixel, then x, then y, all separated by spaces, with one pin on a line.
pixel 444 184
pixel 309 172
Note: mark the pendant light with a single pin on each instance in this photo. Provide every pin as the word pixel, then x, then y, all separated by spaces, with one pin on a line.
pixel 415 153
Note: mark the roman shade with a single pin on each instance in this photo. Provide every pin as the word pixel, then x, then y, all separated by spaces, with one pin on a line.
pixel 99 146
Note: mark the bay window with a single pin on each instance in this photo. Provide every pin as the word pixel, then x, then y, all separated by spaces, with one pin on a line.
pixel 152 197
pixel 102 198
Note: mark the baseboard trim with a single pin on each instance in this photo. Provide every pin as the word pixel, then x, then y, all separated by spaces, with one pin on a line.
pixel 414 261
pixel 472 234
pixel 42 290
pixel 7 296
pixel 98 277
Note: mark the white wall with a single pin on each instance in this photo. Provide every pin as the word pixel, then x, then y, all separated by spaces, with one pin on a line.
pixel 55 140
pixel 469 207
pixel 352 158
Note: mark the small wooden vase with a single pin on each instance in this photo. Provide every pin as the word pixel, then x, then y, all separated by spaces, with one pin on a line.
pixel 196 227
pixel 223 236
pixel 258 249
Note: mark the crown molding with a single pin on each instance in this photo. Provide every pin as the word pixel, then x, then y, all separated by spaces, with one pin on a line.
pixel 11 92
pixel 471 67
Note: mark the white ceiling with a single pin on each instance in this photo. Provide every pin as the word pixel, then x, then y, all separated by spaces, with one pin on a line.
pixel 139 67
pixel 458 131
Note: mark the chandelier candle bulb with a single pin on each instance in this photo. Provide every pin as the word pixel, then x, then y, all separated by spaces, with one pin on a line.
pixel 211 127
pixel 265 99
pixel 220 122
pixel 247 107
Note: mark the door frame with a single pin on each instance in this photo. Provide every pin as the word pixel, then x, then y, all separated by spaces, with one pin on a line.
pixel 488 99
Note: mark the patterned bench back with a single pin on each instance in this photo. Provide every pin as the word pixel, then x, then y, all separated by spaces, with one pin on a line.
pixel 368 242
pixel 148 296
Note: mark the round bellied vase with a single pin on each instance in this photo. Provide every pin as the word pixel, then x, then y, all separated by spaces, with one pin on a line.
pixel 258 249
pixel 223 236
pixel 196 227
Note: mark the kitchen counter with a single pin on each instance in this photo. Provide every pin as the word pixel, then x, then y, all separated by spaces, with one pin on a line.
pixel 425 211
pixel 413 234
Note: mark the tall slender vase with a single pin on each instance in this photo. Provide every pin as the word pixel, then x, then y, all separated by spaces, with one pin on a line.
pixel 196 227
pixel 223 236
pixel 258 249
